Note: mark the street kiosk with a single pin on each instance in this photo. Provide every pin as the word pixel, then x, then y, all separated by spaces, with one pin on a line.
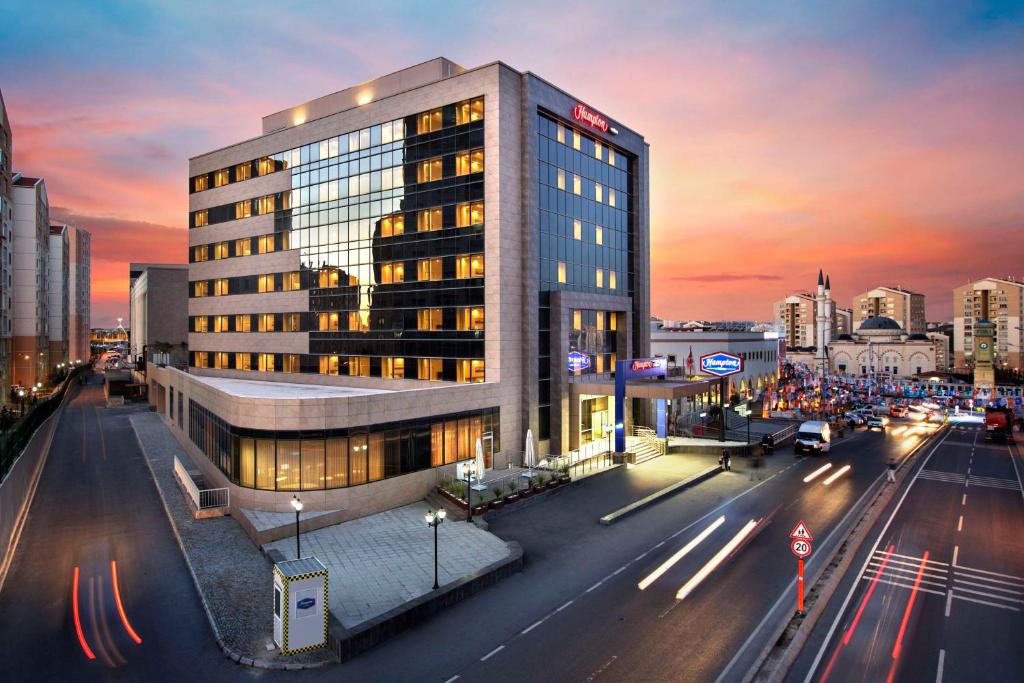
pixel 300 605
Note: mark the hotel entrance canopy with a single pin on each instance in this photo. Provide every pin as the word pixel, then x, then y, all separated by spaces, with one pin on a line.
pixel 667 389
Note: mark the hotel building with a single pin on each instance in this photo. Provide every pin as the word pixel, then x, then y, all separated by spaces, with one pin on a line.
pixel 902 305
pixel 1000 301
pixel 6 235
pixel 396 271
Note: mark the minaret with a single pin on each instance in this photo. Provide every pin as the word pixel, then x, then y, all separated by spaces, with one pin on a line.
pixel 819 336
pixel 829 322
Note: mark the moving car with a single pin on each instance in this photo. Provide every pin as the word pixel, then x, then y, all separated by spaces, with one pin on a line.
pixel 855 418
pixel 813 437
pixel 898 411
pixel 878 422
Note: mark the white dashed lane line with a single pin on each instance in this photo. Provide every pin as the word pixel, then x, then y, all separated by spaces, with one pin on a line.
pixel 492 653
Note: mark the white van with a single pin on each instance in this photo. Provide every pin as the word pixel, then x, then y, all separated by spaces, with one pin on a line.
pixel 813 437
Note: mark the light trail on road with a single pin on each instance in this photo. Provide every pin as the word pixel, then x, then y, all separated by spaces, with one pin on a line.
pixel 824 468
pixel 78 619
pixel 120 606
pixel 680 554
pixel 838 473
pixel 697 578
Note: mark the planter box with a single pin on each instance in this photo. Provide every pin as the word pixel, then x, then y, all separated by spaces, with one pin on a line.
pixel 497 504
pixel 511 498
pixel 564 479
pixel 460 504
pixel 525 493
pixel 479 510
pixel 553 484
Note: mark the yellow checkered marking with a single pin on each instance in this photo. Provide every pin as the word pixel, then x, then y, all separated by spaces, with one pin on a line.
pixel 285 582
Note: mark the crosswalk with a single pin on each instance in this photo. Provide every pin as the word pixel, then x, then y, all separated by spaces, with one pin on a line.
pixel 951 581
pixel 970 480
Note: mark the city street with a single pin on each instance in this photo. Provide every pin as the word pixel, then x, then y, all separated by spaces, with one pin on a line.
pixel 66 616
pixel 940 587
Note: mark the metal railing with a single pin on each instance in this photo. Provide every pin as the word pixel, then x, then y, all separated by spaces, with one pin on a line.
pixel 203 499
pixel 649 438
pixel 787 432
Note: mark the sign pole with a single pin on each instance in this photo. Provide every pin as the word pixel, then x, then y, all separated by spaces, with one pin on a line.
pixel 721 405
pixel 800 586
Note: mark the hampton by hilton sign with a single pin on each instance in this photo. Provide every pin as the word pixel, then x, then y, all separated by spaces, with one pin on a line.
pixel 584 114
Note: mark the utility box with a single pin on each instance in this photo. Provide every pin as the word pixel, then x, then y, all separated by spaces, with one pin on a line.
pixel 300 605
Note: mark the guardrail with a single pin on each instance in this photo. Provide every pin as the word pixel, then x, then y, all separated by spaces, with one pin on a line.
pixel 787 432
pixel 650 438
pixel 203 499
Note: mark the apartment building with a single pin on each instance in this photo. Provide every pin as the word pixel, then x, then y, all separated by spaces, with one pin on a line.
pixel 79 293
pixel 900 304
pixel 30 302
pixel 397 271
pixel 1000 301
pixel 58 293
pixel 158 313
pixel 6 236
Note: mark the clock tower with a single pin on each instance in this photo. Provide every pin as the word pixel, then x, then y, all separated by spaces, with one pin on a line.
pixel 984 367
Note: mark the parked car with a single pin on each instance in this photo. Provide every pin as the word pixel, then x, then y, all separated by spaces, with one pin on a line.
pixel 878 422
pixel 813 437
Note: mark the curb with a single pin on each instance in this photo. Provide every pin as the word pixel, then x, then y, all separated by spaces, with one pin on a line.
pixel 697 478
pixel 775 660
pixel 228 651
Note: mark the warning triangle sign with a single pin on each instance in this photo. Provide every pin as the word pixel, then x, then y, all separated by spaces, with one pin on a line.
pixel 802 532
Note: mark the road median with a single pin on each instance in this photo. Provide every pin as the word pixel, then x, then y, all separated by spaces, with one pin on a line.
pixel 617 515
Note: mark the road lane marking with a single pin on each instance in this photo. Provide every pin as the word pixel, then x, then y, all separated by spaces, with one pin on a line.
pixel 680 554
pixel 888 573
pixel 532 626
pixel 902 585
pixel 917 560
pixel 985 571
pixel 949 600
pixel 1012 591
pixel 620 570
pixel 853 587
pixel 942 661
pixel 960 524
pixel 956 551
pixel 963 501
pixel 564 606
pixel 1015 584
pixel 1013 459
pixel 986 602
pixel 961 589
pixel 641 556
pixel 601 669
pixel 594 587
pixel 453 679
pixel 492 653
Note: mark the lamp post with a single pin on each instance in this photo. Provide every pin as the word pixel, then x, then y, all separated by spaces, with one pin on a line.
pixel 470 469
pixel 21 395
pixel 297 504
pixel 435 519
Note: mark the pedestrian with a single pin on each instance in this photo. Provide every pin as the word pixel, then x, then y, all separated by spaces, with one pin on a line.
pixel 726 465
pixel 890 474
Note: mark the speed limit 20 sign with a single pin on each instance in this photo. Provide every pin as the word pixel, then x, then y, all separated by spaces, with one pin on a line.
pixel 801 548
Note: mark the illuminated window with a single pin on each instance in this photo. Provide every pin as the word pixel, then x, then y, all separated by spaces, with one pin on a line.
pixel 428 319
pixel 201 218
pixel 329 365
pixel 220 250
pixel 328 322
pixel 201 359
pixel 612 317
pixel 598 193
pixel 243 171
pixel 221 177
pixel 359 366
pixel 243 209
pixel 243 361
pixel 220 360
pixel 599 365
pixel 599 318
pixel 291 282
pixel 200 253
pixel 611 279
pixel 243 323
pixel 598 150
pixel 243 247
pixel 265 244
pixel 265 166
pixel 393 368
pixel 200 324
pixel 561 272
pixel 200 183
pixel 392 225
pixel 577 184
pixel 577 320
pixel 469 265
pixel 599 234
pixel 265 283
pixel 560 133
pixel 220 323
pixel 576 139
pixel 265 204
pixel 470 110
pixel 561 179
pixel 291 322
pixel 469 213
pixel 428 121
pixel 290 362
pixel 266 362
pixel 392 272
pixel 329 277
pixel 599 277
pixel 469 318
pixel 469 162
pixel 611 156
pixel 470 371
pixel 429 368
pixel 577 229
pixel 357 322
pixel 611 197
pixel 220 287
pixel 428 219
pixel 428 170
pixel 265 322
pixel 428 269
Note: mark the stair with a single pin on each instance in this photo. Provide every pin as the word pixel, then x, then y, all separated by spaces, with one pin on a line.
pixel 643 451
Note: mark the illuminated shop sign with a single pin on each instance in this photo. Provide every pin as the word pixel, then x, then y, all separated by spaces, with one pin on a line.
pixel 578 361
pixel 646 367
pixel 590 117
pixel 721 364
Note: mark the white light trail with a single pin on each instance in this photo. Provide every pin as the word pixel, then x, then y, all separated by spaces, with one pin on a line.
pixel 697 578
pixel 824 468
pixel 680 554
pixel 838 473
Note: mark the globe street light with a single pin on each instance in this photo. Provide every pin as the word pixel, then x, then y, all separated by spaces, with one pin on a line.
pixel 297 504
pixel 435 519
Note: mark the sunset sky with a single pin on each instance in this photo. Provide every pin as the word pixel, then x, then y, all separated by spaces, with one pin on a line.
pixel 882 143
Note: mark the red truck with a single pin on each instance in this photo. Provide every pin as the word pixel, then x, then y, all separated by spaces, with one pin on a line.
pixel 998 424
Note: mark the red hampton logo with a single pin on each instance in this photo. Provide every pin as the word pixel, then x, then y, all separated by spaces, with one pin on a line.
pixel 581 113
pixel 646 364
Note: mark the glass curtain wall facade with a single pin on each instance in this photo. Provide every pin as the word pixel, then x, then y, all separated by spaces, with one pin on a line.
pixel 337 458
pixel 388 221
pixel 586 227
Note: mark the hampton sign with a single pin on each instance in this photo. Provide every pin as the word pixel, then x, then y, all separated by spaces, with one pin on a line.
pixel 578 361
pixel 721 364
pixel 583 114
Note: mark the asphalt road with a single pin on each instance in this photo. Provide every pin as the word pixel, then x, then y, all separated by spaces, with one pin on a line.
pixel 939 593
pixel 96 512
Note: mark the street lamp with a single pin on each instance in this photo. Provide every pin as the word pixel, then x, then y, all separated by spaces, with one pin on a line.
pixel 297 504
pixel 470 469
pixel 21 395
pixel 435 519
